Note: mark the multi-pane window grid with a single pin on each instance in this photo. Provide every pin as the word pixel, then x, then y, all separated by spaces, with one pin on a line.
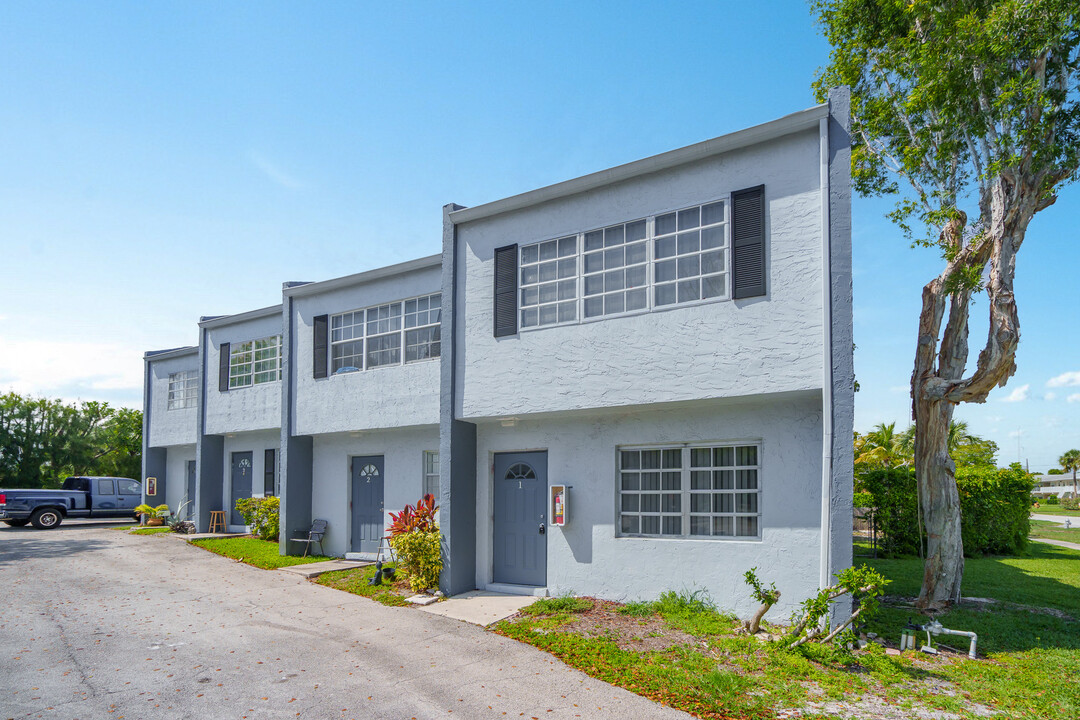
pixel 431 473
pixel 183 389
pixel 671 258
pixel 255 362
pixel 690 492
pixel 372 337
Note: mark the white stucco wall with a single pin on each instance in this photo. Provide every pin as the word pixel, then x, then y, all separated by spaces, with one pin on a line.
pixel 176 475
pixel 586 558
pixel 171 427
pixel 719 349
pixel 257 443
pixel 257 407
pixel 403 457
pixel 384 397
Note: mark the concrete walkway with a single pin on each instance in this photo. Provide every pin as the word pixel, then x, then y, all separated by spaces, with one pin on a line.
pixel 1059 543
pixel 315 569
pixel 1059 519
pixel 479 607
pixel 102 624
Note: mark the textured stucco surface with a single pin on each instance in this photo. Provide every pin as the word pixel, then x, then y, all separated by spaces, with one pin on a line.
pixel 256 443
pixel 586 557
pixel 403 457
pixel 176 469
pixel 718 349
pixel 243 409
pixel 170 427
pixel 385 397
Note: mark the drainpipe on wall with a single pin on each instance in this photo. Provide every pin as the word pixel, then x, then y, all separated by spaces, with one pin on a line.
pixel 826 360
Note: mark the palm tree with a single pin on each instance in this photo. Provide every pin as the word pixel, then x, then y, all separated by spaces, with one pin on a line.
pixel 880 447
pixel 1071 461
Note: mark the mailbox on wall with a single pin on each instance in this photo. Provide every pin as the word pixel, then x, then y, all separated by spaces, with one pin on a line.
pixel 559 511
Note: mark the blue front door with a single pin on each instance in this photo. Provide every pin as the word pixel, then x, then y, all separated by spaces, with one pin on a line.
pixel 367 503
pixel 520 532
pixel 241 483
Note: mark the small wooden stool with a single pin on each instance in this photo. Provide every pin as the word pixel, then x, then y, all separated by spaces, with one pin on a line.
pixel 217 521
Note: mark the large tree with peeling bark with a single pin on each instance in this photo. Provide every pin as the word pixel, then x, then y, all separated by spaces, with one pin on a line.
pixel 970 112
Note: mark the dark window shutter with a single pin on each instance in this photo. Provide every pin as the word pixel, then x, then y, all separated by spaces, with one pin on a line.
pixel 269 471
pixel 506 290
pixel 320 344
pixel 748 242
pixel 223 367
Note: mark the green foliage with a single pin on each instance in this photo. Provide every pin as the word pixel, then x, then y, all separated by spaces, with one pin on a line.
pixel 863 585
pixel 884 447
pixel 357 582
pixel 421 518
pixel 148 531
pixel 1070 503
pixel 994 509
pixel 1055 471
pixel 261 515
pixel 896 509
pixel 253 551
pixel 152 512
pixel 766 596
pixel 42 441
pixel 552 605
pixel 636 608
pixel 419 554
pixel 1053 500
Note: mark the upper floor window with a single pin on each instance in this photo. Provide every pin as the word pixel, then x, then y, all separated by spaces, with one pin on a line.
pixel 183 389
pixel 700 492
pixel 385 334
pixel 666 259
pixel 254 362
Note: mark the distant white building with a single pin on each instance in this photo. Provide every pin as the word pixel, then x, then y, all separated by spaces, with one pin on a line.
pixel 1060 485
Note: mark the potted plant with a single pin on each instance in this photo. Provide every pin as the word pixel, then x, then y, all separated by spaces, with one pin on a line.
pixel 154 515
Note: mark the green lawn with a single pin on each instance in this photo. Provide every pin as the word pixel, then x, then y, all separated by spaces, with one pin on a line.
pixel 1056 531
pixel 356 582
pixel 1029 647
pixel 149 530
pixel 1045 509
pixel 253 551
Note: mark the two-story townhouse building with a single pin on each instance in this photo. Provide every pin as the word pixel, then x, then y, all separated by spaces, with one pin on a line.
pixel 170 412
pixel 360 413
pixel 239 419
pixel 670 340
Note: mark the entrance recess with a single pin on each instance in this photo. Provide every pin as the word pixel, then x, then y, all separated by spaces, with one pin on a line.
pixel 520 530
pixel 367 503
pixel 190 509
pixel 241 483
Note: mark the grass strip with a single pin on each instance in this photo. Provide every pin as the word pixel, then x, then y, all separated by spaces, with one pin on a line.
pixel 149 530
pixel 356 582
pixel 253 551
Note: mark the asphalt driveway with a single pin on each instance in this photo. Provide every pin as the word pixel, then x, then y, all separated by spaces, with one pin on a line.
pixel 96 623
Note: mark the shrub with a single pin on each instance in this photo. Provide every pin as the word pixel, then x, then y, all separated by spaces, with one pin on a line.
pixel 896 508
pixel 1070 503
pixel 416 541
pixel 1052 500
pixel 152 512
pixel 261 515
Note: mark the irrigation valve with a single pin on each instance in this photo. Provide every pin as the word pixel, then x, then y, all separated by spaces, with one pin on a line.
pixel 558 504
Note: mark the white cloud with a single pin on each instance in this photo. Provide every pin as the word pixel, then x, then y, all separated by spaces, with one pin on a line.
pixel 273 172
pixel 1074 398
pixel 1065 379
pixel 900 389
pixel 1020 394
pixel 69 370
pixel 1050 397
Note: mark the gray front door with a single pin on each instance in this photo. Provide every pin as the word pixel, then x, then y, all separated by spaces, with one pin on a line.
pixel 241 483
pixel 520 523
pixel 367 503
pixel 189 510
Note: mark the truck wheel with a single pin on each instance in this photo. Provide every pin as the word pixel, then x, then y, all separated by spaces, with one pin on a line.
pixel 16 523
pixel 46 518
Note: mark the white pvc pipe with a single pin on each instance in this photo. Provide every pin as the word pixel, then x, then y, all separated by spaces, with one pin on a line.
pixel 826 360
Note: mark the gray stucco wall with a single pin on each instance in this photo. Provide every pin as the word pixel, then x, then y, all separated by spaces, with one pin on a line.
pixel 243 409
pixel 256 443
pixel 170 427
pixel 718 349
pixel 403 472
pixel 176 468
pixel 586 557
pixel 385 397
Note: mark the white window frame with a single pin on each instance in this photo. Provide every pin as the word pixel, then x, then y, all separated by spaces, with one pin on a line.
pixel 242 372
pixel 686 491
pixel 650 268
pixel 401 319
pixel 183 389
pixel 431 473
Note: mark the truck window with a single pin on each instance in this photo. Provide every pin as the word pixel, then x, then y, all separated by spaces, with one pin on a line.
pixel 76 483
pixel 128 487
pixel 105 487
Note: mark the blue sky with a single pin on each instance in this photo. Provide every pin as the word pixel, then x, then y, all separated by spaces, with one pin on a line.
pixel 162 161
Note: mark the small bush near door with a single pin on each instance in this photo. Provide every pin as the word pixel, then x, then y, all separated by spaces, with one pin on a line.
pixel 261 515
pixel 416 541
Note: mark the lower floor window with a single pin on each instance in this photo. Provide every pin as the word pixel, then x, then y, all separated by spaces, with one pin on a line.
pixel 706 491
pixel 431 473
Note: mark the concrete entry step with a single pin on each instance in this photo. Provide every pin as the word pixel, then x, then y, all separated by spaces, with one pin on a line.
pixel 314 570
pixel 480 607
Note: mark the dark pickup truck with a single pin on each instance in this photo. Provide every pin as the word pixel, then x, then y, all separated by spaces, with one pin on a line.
pixel 80 497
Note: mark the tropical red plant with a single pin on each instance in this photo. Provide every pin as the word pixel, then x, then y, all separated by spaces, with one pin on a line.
pixel 420 518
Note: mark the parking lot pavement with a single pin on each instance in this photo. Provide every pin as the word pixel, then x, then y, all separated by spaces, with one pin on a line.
pixel 97 623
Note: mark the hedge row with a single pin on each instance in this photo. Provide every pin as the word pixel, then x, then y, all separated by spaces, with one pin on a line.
pixel 994 507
